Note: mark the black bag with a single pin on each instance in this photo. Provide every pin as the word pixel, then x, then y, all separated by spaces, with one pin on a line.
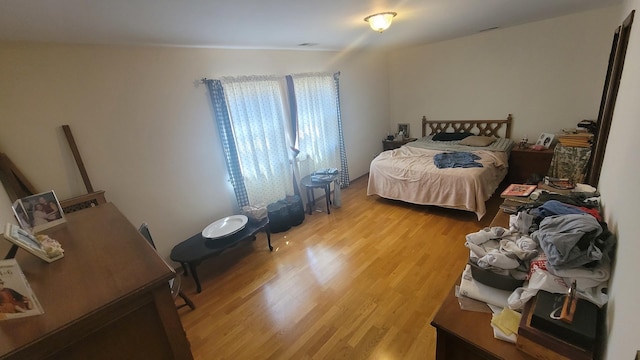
pixel 278 217
pixel 296 209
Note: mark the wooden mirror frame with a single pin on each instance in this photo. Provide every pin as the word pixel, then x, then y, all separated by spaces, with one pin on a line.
pixel 609 96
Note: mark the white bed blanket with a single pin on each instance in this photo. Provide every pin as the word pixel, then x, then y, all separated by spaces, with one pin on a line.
pixel 409 174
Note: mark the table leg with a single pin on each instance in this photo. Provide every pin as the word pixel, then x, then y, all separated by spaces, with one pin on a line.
pixel 327 190
pixel 311 201
pixel 12 252
pixel 194 274
pixel 268 231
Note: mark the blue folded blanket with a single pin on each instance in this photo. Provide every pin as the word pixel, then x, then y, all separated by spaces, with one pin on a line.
pixel 456 160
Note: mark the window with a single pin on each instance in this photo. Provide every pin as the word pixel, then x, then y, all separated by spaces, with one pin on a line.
pixel 256 136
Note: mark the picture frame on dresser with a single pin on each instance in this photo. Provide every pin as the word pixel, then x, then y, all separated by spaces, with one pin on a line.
pixel 545 139
pixel 38 212
pixel 405 130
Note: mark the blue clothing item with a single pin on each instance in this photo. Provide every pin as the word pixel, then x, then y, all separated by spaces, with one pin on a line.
pixel 555 207
pixel 456 160
pixel 569 240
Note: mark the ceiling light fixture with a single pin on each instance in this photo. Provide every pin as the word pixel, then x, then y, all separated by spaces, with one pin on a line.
pixel 380 21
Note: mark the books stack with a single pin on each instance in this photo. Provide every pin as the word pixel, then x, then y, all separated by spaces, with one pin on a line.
pixel 516 195
pixel 511 206
pixel 518 191
pixel 578 139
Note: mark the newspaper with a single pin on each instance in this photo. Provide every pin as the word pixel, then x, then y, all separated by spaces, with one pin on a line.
pixel 16 297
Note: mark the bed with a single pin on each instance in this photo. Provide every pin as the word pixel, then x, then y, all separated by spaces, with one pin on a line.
pixel 410 174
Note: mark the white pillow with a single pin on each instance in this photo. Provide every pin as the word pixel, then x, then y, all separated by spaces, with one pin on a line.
pixel 477 141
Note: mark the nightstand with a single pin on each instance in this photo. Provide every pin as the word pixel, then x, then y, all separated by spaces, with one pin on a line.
pixel 523 162
pixel 394 144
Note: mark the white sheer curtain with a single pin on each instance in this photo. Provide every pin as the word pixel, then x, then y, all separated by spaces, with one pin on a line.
pixel 318 127
pixel 257 115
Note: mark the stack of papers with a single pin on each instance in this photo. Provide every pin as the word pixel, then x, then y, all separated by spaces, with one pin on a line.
pixel 582 139
pixel 505 324
pixel 327 171
pixel 321 178
pixel 504 321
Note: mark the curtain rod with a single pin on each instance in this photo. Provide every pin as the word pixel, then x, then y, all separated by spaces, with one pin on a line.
pixel 204 79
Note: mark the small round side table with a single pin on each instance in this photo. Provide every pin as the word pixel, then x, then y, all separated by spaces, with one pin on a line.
pixel 309 185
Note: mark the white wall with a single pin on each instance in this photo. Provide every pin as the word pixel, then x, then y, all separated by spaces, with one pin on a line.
pixel 548 74
pixel 619 187
pixel 144 125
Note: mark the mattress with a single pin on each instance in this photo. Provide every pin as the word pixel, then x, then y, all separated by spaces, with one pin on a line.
pixel 409 174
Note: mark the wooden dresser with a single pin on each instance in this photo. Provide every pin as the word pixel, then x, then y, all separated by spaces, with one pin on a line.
pixel 523 162
pixel 108 298
pixel 467 335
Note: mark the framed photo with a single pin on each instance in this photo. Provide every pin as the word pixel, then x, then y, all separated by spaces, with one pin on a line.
pixel 545 140
pixel 405 129
pixel 38 212
pixel 30 243
pixel 21 216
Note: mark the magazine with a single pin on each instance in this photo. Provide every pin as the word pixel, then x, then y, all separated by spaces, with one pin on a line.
pixel 518 190
pixel 16 297
pixel 38 212
pixel 41 246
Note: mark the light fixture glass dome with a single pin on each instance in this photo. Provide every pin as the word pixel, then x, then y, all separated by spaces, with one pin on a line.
pixel 380 21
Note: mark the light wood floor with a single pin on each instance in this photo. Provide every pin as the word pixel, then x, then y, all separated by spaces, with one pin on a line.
pixel 360 283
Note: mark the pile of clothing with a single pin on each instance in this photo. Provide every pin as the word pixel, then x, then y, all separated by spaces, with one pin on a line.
pixel 500 251
pixel 550 243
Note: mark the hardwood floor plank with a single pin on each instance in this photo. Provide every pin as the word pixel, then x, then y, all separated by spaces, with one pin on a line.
pixel 360 283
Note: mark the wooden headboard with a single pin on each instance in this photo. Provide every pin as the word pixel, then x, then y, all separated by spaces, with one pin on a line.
pixel 479 127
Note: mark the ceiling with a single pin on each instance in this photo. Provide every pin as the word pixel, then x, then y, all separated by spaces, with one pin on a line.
pixel 268 24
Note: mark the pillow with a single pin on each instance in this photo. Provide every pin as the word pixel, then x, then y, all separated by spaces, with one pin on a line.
pixel 477 141
pixel 446 136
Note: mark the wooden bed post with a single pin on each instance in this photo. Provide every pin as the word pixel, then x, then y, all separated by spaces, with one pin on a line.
pixel 424 126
